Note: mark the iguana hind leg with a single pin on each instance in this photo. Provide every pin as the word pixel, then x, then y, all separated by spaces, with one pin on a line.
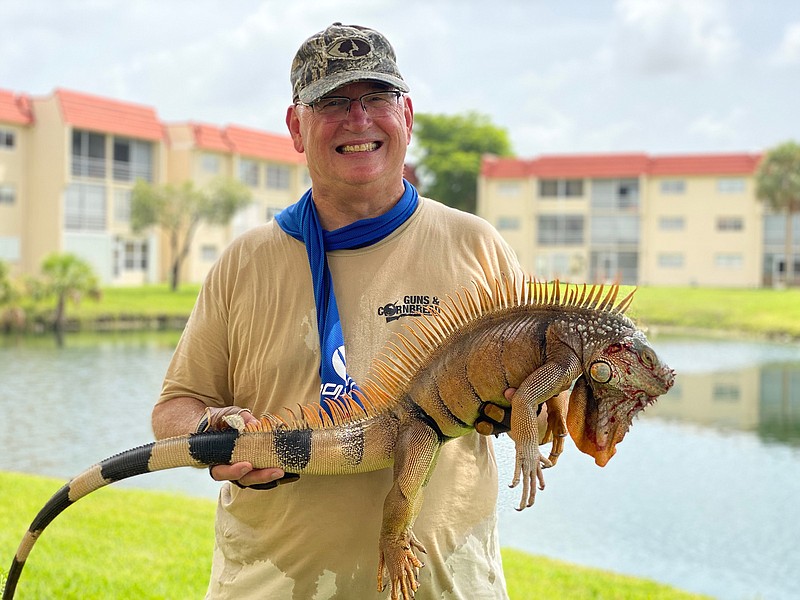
pixel 416 452
pixel 556 431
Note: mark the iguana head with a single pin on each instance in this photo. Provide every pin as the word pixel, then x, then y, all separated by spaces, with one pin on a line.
pixel 620 378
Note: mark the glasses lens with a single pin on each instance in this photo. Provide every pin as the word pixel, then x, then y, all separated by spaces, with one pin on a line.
pixel 331 106
pixel 376 104
pixel 379 103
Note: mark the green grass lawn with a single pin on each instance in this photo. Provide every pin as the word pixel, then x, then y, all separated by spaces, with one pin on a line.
pixel 748 312
pixel 121 544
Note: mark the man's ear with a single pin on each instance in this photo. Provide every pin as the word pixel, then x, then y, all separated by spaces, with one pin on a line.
pixel 293 124
pixel 409 117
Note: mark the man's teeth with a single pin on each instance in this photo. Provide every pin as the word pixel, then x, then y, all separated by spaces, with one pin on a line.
pixel 369 147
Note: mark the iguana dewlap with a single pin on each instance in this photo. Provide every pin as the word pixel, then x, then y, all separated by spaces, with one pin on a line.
pixel 426 389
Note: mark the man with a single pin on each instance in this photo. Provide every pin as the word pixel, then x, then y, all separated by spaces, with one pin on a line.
pixel 276 313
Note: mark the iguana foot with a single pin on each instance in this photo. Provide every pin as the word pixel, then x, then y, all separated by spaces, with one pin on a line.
pixel 398 559
pixel 530 463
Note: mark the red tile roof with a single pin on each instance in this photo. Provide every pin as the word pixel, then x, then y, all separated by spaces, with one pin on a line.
pixel 259 144
pixel 619 165
pixel 15 108
pixel 591 165
pixel 210 137
pixel 705 164
pixel 104 115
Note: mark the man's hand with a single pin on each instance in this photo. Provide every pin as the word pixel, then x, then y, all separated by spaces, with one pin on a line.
pixel 242 474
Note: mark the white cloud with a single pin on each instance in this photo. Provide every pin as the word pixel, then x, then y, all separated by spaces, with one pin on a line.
pixel 789 51
pixel 666 36
pixel 720 129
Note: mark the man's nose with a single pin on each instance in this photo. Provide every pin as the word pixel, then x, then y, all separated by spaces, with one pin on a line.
pixel 356 111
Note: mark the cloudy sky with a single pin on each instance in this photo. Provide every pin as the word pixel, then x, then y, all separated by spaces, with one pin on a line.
pixel 562 76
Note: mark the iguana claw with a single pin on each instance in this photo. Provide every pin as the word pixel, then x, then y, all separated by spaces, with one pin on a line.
pixel 530 463
pixel 402 564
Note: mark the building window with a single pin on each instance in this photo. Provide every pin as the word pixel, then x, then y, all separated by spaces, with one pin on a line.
pixel 730 223
pixel 277 177
pixel 210 163
pixel 726 392
pixel 122 206
pixel 615 194
pixel 560 230
pixel 508 188
pixel 731 185
pixel 248 172
pixel 729 261
pixel 85 208
pixel 673 186
pixel 672 260
pixel 671 223
pixel 560 188
pixel 133 159
pixel 10 248
pixel 508 223
pixel 208 252
pixel 775 229
pixel 135 255
pixel 88 154
pixel 8 194
pixel 7 138
pixel 615 229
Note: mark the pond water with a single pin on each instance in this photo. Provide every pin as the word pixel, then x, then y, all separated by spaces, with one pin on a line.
pixel 702 493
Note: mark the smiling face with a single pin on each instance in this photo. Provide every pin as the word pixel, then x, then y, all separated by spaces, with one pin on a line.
pixel 358 155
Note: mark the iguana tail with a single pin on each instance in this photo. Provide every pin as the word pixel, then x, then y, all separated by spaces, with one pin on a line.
pixel 186 451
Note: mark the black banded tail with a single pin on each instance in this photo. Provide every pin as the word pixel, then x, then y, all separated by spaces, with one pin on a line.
pixel 198 450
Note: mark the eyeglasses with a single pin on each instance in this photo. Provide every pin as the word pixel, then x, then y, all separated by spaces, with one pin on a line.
pixel 375 104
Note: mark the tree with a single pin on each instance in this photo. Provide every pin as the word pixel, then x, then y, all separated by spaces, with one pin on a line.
pixel 66 277
pixel 778 184
pixel 450 148
pixel 6 289
pixel 178 210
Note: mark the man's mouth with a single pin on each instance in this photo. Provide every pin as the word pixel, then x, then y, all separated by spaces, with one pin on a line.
pixel 353 148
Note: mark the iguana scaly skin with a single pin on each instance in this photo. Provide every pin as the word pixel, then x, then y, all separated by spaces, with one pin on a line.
pixel 427 389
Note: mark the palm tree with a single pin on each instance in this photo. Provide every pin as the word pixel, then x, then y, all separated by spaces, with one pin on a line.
pixel 66 277
pixel 778 184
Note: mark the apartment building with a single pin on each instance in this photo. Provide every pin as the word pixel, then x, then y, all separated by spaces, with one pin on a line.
pixel 267 163
pixel 636 218
pixel 68 163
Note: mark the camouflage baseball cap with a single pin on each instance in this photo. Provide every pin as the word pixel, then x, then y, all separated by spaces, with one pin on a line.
pixel 339 55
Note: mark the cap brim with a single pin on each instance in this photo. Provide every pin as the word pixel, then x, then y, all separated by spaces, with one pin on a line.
pixel 326 85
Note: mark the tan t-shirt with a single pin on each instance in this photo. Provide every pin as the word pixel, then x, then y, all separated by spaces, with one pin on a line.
pixel 252 341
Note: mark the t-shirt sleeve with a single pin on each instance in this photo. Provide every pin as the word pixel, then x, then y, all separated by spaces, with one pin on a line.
pixel 200 365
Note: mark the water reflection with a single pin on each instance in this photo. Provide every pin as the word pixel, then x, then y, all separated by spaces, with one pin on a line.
pixel 734 385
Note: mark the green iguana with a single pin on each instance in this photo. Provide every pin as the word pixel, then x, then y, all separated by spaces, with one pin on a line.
pixel 426 389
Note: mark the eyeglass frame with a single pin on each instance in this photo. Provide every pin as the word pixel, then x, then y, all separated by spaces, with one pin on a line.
pixel 397 94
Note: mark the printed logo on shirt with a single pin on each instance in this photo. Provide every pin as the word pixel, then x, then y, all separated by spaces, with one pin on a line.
pixel 333 389
pixel 411 306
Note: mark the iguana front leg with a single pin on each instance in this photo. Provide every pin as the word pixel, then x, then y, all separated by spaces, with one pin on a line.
pixel 545 382
pixel 416 451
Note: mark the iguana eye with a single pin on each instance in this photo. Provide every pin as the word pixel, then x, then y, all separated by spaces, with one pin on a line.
pixel 600 371
pixel 649 358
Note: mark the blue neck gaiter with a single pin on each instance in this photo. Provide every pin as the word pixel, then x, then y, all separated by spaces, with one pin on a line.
pixel 300 220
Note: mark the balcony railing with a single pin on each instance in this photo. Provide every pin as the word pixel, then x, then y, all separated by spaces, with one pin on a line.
pixel 127 171
pixel 83 166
